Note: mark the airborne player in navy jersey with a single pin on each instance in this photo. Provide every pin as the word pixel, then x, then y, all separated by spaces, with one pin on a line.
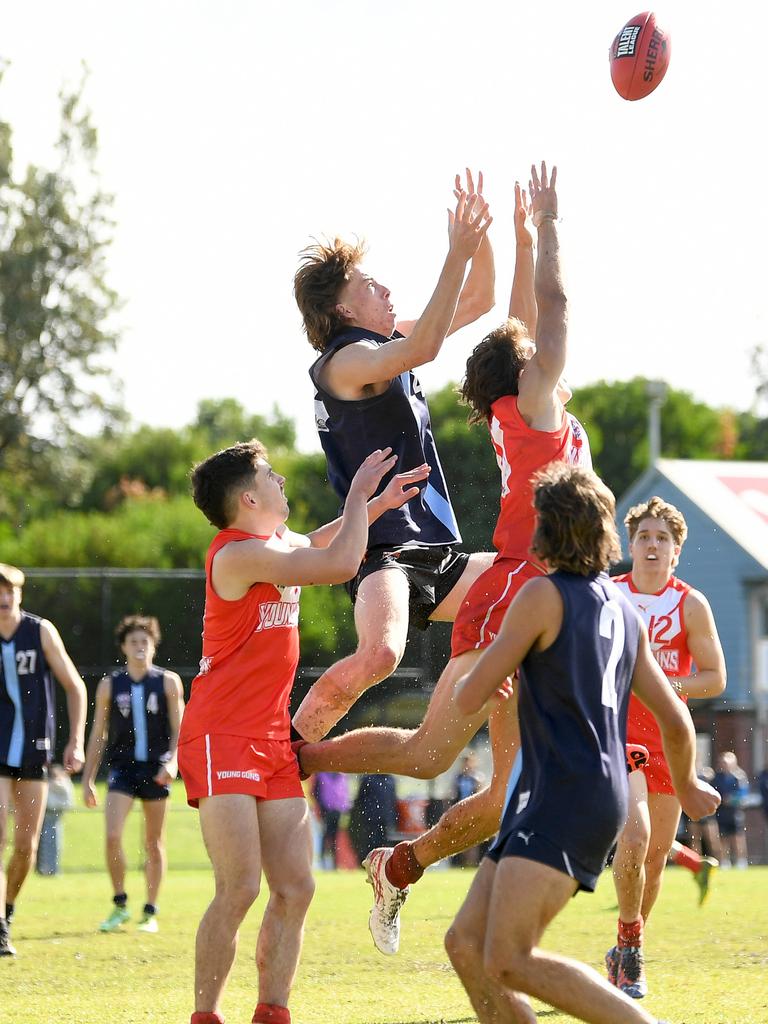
pixel 138 715
pixel 32 651
pixel 367 397
pixel 580 647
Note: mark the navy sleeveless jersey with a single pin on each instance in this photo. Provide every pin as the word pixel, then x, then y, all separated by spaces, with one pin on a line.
pixel 573 723
pixel 399 418
pixel 27 702
pixel 139 728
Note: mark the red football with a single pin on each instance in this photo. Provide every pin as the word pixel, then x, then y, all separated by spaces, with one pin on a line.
pixel 639 57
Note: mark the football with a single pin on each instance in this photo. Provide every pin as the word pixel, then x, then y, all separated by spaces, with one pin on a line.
pixel 639 57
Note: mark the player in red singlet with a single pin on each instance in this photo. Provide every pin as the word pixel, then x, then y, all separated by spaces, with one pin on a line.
pixel 234 747
pixel 514 386
pixel 682 632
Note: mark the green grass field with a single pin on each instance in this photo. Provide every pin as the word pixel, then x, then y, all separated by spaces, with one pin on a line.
pixel 706 966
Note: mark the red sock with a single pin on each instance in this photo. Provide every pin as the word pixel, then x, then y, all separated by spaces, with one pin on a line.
pixel 402 868
pixel 268 1013
pixel 205 1017
pixel 686 858
pixel 630 933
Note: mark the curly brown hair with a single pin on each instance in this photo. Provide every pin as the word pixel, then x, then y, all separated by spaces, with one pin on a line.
pixel 219 480
pixel 324 270
pixel 133 623
pixel 575 527
pixel 657 508
pixel 493 369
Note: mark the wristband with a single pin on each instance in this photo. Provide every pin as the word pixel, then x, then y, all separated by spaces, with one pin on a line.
pixel 541 215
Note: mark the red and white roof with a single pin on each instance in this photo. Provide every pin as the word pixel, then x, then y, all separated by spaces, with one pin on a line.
pixel 733 494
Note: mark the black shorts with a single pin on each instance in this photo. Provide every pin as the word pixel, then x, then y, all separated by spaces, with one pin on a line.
pixel 137 780
pixel 432 573
pixel 730 820
pixel 531 846
pixel 26 773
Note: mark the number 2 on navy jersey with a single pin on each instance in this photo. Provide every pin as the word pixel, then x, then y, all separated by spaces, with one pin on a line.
pixel 612 628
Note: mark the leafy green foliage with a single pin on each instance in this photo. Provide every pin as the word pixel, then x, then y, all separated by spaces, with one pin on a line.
pixel 55 303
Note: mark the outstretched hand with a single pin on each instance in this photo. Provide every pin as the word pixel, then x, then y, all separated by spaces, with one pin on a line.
pixel 543 194
pixel 523 211
pixel 401 487
pixel 468 224
pixel 369 475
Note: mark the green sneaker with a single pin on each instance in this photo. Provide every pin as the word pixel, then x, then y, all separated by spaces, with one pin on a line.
pixel 703 877
pixel 148 923
pixel 118 916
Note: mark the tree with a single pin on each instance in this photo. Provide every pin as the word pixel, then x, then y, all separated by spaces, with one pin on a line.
pixel 615 415
pixel 55 304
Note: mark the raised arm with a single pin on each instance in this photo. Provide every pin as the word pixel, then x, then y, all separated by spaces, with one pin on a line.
pixel 704 644
pixel 237 566
pixel 96 741
pixel 478 296
pixel 360 365
pixel 538 401
pixel 678 736
pixel 400 489
pixel 522 301
pixel 68 677
pixel 174 698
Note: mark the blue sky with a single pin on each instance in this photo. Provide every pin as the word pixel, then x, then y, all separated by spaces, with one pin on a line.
pixel 231 132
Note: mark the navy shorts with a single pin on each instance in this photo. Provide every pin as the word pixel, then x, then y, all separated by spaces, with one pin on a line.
pixel 26 773
pixel 432 573
pixel 137 780
pixel 531 846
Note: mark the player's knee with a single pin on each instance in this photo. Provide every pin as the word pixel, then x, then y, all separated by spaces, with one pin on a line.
pixel 114 841
pixel 633 844
pixel 511 972
pixel 381 658
pixel 25 847
pixel 296 894
pixel 155 850
pixel 240 895
pixel 459 947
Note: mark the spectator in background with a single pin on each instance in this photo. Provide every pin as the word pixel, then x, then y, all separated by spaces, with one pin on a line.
pixel 704 835
pixel 331 792
pixel 466 783
pixel 762 785
pixel 61 797
pixel 732 784
pixel 374 814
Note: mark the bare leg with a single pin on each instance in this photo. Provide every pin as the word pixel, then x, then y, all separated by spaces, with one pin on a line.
pixel 476 565
pixel 5 807
pixel 665 816
pixel 115 812
pixel 230 827
pixel 477 818
pixel 154 826
pixel 286 847
pixel 381 620
pixel 632 849
pixel 29 797
pixel 526 897
pixel 465 945
pixel 421 753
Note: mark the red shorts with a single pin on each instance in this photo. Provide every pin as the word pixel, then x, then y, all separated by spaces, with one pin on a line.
pixel 214 764
pixel 479 618
pixel 657 774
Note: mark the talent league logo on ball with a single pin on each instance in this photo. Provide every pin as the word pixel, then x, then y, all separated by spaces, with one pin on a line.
pixel 627 41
